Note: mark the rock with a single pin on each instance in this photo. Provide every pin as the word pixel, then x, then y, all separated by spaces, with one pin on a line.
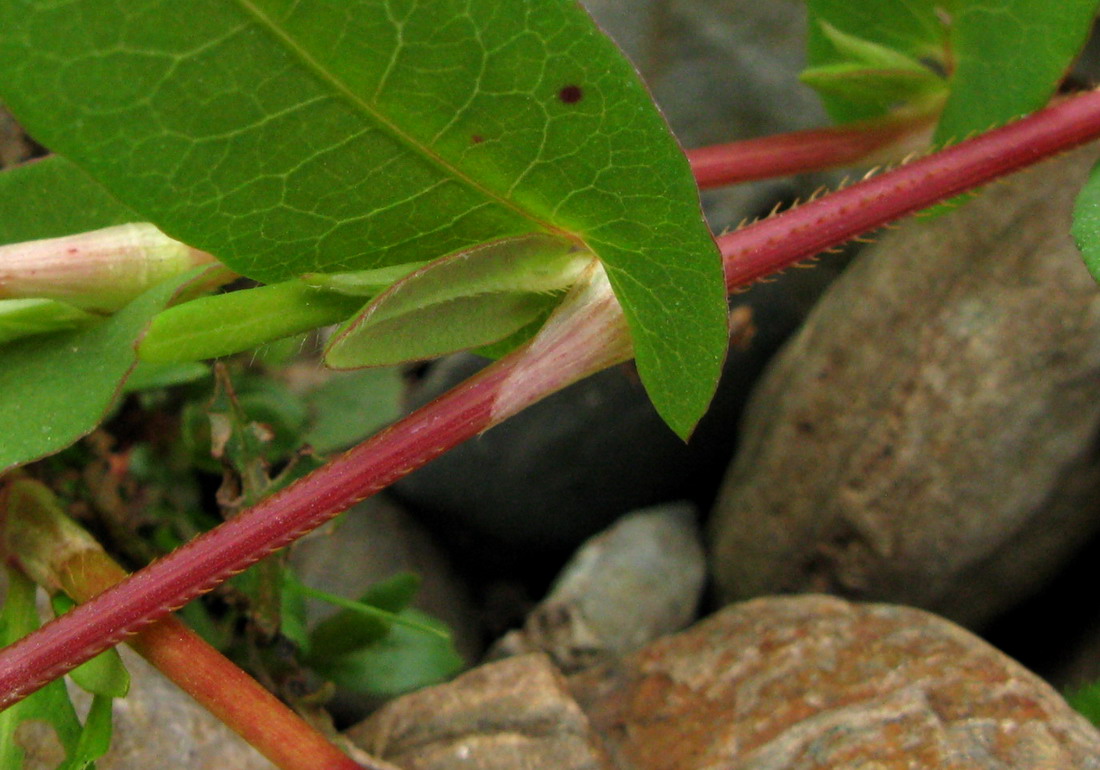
pixel 928 438
pixel 817 683
pixel 637 581
pixel 515 714
pixel 796 683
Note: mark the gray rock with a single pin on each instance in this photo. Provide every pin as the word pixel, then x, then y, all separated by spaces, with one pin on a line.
pixel 637 581
pixel 929 437
pixel 818 683
pixel 515 714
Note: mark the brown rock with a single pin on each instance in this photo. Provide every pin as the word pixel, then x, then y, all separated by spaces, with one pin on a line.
pixel 515 714
pixel 817 683
pixel 928 437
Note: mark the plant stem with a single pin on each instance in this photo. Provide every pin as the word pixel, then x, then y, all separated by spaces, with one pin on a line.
pixel 781 241
pixel 800 152
pixel 59 554
pixel 470 408
pixel 215 682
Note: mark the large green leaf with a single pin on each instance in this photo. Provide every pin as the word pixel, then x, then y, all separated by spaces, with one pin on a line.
pixel 56 388
pixel 1002 58
pixel 337 135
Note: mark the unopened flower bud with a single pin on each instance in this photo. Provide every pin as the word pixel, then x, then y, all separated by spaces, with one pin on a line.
pixel 99 271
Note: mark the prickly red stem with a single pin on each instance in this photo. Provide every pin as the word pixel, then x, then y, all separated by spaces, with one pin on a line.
pixel 781 241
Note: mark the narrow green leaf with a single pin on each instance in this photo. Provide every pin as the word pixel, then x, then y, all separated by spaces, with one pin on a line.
pixel 361 283
pixel 51 197
pixel 1086 222
pixel 1002 58
pixel 223 324
pixel 147 376
pixel 323 136
pixel 872 74
pixel 474 297
pixel 56 388
pixel 95 736
pixel 911 29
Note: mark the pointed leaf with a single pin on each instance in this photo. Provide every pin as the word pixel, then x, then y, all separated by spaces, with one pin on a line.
pixel 323 136
pixel 471 298
pixel 911 28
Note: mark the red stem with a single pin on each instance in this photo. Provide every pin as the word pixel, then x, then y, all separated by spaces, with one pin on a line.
pixel 781 241
pixel 464 412
pixel 800 152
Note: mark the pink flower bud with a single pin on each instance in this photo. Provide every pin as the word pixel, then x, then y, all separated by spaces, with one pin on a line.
pixel 99 271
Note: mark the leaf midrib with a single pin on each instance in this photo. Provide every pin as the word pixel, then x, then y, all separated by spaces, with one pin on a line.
pixel 392 128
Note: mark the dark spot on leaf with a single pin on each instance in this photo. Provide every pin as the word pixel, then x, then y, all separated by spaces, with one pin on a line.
pixel 476 139
pixel 571 94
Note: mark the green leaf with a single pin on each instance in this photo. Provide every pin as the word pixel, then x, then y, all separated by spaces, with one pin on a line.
pixel 325 136
pixel 1010 56
pixel 872 74
pixel 911 29
pixel 403 660
pixel 51 705
pixel 51 197
pixel 471 298
pixel 147 376
pixel 1086 222
pixel 95 737
pixel 223 324
pixel 364 622
pixel 56 388
pixel 352 405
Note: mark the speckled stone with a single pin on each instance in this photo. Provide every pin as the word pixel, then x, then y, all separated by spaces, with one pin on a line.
pixel 818 683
